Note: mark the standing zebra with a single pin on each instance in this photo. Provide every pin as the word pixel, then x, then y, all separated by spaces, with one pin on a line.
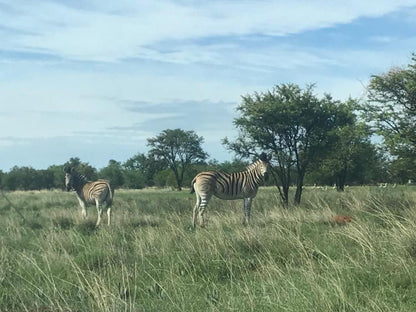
pixel 237 185
pixel 95 192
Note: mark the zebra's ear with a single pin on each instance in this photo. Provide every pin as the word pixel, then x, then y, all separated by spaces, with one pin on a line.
pixel 66 169
pixel 263 157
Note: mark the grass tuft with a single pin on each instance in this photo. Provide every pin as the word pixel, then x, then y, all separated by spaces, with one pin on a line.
pixel 86 228
pixel 63 223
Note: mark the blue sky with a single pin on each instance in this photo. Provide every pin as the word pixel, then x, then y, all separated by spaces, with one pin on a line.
pixel 95 79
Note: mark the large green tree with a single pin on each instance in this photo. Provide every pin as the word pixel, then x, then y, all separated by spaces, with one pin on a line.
pixel 146 165
pixel 178 149
pixel 352 157
pixel 291 123
pixel 113 172
pixel 82 167
pixel 392 111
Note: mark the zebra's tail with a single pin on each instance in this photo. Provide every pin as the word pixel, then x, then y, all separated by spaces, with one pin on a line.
pixel 110 195
pixel 192 186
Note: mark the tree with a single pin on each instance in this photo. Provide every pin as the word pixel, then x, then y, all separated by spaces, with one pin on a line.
pixel 58 176
pixel 82 167
pixel 134 179
pixel 178 149
pixel 391 108
pixel 113 172
pixel 22 178
pixel 148 166
pixel 403 168
pixel 234 166
pixel 352 155
pixel 293 124
pixel 10 180
pixel 45 179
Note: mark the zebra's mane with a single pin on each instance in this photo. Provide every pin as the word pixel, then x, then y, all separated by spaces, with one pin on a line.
pixel 79 177
pixel 247 168
pixel 253 165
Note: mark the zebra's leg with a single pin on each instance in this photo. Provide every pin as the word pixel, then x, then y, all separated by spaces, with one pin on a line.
pixel 83 208
pixel 99 211
pixel 108 215
pixel 202 207
pixel 196 209
pixel 108 204
pixel 247 209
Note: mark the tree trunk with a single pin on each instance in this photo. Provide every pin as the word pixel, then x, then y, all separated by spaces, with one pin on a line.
pixel 341 178
pixel 284 190
pixel 299 186
pixel 286 195
pixel 178 182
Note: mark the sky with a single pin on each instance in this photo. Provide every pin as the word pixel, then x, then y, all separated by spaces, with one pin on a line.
pixel 95 79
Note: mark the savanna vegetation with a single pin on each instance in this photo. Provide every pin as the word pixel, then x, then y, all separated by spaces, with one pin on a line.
pixel 151 259
pixel 312 140
pixel 292 257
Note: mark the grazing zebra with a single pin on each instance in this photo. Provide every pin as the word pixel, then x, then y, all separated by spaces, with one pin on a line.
pixel 237 185
pixel 95 192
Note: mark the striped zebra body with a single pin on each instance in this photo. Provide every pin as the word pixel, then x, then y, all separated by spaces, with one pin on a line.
pixel 228 186
pixel 90 192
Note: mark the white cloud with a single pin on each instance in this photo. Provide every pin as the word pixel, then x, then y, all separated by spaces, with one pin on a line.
pixel 109 31
pixel 65 64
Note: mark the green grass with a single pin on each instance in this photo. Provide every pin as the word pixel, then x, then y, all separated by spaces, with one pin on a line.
pixel 151 259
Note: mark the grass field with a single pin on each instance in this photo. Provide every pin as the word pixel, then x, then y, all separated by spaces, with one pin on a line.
pixel 151 259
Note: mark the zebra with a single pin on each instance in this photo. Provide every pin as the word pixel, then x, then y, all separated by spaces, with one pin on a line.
pixel 90 192
pixel 238 185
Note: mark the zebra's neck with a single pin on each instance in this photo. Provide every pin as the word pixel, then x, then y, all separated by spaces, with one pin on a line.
pixel 254 169
pixel 252 166
pixel 78 182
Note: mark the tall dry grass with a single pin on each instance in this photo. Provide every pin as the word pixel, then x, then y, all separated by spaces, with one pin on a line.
pixel 151 259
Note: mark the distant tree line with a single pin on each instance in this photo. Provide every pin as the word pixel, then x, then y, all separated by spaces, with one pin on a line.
pixel 138 172
pixel 142 171
pixel 311 139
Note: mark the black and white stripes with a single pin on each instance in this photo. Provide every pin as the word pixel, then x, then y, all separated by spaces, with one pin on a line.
pixel 238 185
pixel 95 192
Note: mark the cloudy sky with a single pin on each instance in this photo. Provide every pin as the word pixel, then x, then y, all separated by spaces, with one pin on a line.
pixel 94 79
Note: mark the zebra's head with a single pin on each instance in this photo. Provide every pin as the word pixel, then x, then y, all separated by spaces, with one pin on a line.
pixel 70 178
pixel 264 165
